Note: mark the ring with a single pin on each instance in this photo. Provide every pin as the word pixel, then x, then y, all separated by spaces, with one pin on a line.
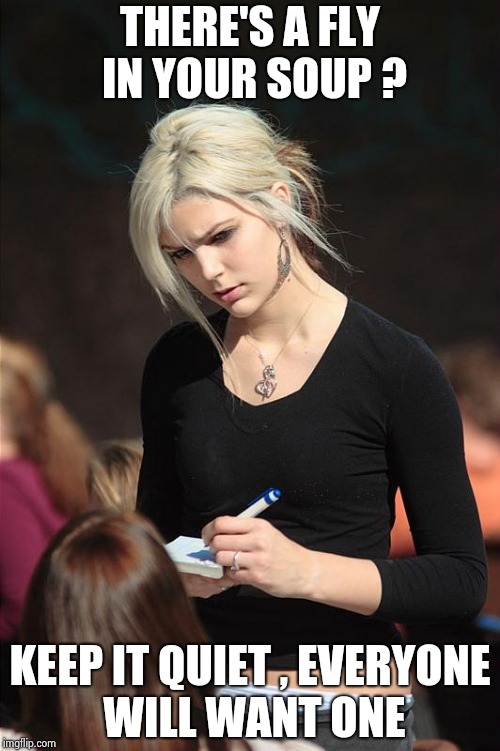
pixel 235 565
pixel 223 589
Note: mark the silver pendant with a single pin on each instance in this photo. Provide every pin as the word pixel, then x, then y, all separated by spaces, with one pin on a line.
pixel 266 387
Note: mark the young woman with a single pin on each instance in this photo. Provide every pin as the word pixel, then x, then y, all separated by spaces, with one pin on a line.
pixel 291 385
pixel 106 579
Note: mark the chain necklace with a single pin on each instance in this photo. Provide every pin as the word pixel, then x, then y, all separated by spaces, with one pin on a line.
pixel 267 385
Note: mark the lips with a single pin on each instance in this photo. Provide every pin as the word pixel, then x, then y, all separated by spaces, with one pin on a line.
pixel 229 293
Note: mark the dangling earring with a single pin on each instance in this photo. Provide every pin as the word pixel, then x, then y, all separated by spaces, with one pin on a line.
pixel 284 264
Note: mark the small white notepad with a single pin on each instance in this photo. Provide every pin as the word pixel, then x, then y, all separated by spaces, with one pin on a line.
pixel 192 557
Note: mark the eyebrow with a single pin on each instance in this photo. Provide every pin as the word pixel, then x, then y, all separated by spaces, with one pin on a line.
pixel 203 237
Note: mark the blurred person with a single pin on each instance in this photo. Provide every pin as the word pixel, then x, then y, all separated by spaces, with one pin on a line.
pixel 43 454
pixel 106 579
pixel 29 515
pixel 113 474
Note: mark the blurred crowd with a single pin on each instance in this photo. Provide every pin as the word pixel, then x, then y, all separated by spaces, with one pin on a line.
pixel 71 544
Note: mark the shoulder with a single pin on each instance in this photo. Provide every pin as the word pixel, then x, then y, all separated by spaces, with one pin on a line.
pixel 184 352
pixel 386 345
pixel 415 384
pixel 20 477
pixel 187 335
pixel 374 328
pixel 25 496
pixel 177 338
pixel 384 359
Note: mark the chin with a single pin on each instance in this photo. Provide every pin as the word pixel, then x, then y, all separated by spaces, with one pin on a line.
pixel 241 308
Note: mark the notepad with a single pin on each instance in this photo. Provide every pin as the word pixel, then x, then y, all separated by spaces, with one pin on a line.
pixel 192 557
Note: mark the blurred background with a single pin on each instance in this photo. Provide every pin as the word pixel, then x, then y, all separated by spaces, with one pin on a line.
pixel 411 181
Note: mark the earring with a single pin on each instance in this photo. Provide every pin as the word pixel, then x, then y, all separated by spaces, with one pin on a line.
pixel 284 261
pixel 284 264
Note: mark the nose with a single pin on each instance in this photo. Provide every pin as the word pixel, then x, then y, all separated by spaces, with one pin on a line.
pixel 210 262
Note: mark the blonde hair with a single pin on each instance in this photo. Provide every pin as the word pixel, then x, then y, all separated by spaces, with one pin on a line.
pixel 228 152
pixel 113 475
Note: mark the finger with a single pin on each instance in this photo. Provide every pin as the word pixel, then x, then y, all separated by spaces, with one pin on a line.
pixel 227 525
pixel 233 560
pixel 245 542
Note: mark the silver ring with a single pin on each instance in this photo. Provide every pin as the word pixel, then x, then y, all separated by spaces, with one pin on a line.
pixel 223 589
pixel 235 565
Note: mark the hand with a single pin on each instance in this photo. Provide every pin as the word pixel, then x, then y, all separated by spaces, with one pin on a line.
pixel 204 586
pixel 266 558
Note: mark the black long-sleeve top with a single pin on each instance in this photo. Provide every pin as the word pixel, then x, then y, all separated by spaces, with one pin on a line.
pixel 376 413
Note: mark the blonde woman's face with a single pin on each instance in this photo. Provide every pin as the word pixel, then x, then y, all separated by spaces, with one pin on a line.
pixel 227 252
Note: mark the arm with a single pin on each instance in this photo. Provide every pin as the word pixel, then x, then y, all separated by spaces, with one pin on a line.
pixel 447 578
pixel 159 490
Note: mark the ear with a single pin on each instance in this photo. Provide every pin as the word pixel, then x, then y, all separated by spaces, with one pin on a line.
pixel 281 191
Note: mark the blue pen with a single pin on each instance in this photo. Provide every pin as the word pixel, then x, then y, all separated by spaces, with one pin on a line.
pixel 261 503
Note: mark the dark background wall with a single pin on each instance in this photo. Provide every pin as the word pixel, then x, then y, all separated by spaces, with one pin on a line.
pixel 413 177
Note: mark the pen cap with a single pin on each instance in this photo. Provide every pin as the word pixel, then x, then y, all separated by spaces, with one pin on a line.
pixel 271 495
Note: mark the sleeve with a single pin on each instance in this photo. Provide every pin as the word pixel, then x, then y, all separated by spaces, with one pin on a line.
pixel 159 489
pixel 446 580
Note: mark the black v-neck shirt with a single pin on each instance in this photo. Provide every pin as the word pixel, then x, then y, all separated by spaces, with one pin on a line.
pixel 375 414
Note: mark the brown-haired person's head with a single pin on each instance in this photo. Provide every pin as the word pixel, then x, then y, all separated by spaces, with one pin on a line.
pixel 106 579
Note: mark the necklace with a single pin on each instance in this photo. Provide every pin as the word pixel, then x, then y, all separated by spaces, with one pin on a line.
pixel 267 385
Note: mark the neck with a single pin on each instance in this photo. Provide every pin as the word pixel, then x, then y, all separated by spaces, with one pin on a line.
pixel 276 319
